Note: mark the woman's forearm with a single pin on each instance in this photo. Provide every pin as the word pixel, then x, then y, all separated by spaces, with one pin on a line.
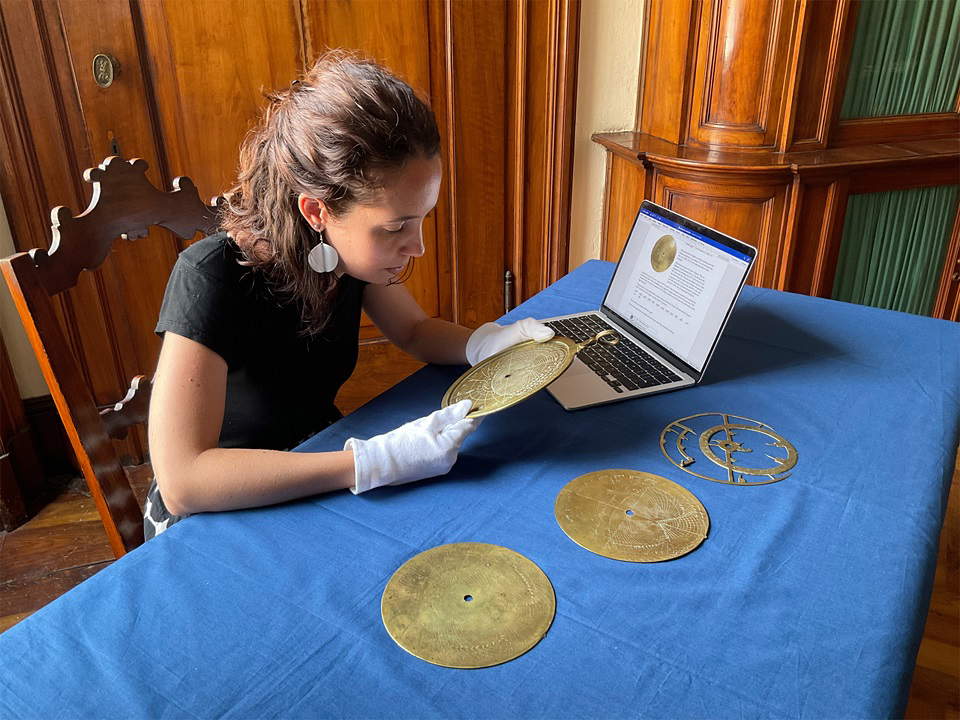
pixel 439 341
pixel 233 478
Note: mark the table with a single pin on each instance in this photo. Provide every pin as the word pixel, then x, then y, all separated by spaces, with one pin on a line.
pixel 806 600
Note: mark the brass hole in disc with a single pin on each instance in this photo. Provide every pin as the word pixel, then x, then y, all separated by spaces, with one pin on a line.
pixel 629 512
pixel 468 598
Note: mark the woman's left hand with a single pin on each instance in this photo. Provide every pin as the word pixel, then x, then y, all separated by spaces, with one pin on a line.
pixel 490 338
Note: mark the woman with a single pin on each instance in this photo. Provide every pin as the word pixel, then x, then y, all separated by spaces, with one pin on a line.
pixel 260 322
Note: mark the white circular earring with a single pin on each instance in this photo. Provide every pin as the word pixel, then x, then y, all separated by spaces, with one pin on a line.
pixel 323 257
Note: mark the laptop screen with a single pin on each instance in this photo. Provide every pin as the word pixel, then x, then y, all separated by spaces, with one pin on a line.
pixel 676 284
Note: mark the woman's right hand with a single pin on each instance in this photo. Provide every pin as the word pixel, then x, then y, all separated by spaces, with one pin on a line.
pixel 420 449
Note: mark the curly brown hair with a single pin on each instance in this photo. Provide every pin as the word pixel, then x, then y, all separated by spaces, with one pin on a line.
pixel 333 135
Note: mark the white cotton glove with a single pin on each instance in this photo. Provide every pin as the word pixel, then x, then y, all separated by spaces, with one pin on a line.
pixel 420 449
pixel 490 338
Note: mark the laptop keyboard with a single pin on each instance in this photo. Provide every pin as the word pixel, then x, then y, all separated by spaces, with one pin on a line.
pixel 624 366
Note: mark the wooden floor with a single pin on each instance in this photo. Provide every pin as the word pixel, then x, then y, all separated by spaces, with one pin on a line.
pixel 65 544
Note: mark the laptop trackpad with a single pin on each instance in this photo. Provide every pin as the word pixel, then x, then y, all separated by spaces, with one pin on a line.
pixel 579 385
pixel 578 368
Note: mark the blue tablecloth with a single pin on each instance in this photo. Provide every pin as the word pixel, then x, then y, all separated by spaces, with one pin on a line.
pixel 806 600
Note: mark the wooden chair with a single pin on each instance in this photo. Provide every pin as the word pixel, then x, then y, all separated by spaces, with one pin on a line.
pixel 124 205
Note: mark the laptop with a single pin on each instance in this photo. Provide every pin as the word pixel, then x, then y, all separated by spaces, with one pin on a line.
pixel 669 300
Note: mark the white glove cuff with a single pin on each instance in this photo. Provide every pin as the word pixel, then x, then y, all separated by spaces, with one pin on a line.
pixel 361 478
pixel 476 343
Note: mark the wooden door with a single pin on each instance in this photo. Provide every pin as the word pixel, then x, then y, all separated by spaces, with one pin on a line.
pixel 190 83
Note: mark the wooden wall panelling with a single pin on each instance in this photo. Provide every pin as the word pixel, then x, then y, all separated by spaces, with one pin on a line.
pixel 908 173
pixel 392 34
pixel 842 32
pixel 895 129
pixel 44 154
pixel 829 237
pixel 444 221
pixel 790 204
pixel 516 145
pixel 739 77
pixel 812 212
pixel 626 187
pixel 541 101
pixel 43 142
pixel 554 252
pixel 753 74
pixel 117 118
pixel 947 304
pixel 50 439
pixel 17 484
pixel 749 205
pixel 119 121
pixel 821 74
pixel 820 206
pixel 475 65
pixel 209 64
pixel 36 107
pixel 823 209
pixel 795 38
pixel 670 40
pixel 862 131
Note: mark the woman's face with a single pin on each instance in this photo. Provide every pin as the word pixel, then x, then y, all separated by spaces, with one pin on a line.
pixel 375 241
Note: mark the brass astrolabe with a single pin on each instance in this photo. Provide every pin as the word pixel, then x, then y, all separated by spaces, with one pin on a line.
pixel 631 515
pixel 468 605
pixel 749 452
pixel 514 374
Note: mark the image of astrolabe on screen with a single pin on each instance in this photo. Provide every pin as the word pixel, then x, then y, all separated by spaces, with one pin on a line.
pixel 728 448
pixel 664 253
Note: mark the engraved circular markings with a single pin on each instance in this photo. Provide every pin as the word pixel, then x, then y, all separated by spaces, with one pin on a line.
pixel 512 375
pixel 631 515
pixel 664 253
pixel 468 605
pixel 727 448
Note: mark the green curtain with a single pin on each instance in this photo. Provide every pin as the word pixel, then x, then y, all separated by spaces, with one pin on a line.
pixel 906 58
pixel 893 245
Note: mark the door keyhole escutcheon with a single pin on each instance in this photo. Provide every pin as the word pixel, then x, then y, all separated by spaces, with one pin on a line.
pixel 105 69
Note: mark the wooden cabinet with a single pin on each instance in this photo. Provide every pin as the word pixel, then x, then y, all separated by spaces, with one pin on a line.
pixel 738 127
pixel 189 84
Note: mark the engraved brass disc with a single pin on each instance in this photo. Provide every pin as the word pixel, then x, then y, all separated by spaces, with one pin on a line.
pixel 631 515
pixel 468 605
pixel 512 375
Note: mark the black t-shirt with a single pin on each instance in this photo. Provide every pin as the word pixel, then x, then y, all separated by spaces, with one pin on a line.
pixel 280 384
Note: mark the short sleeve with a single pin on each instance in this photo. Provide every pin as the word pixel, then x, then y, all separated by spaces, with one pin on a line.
pixel 201 307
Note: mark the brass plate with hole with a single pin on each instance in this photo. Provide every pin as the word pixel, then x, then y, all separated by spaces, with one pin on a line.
pixel 631 515
pixel 468 605
pixel 514 374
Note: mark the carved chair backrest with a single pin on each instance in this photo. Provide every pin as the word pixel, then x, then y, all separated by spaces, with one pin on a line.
pixel 124 205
